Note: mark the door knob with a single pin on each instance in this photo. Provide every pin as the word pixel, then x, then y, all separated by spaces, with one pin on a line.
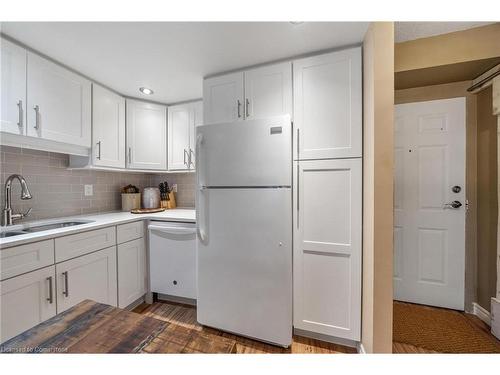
pixel 454 204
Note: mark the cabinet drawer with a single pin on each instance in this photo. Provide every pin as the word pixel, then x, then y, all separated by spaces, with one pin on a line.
pixel 82 243
pixel 129 231
pixel 21 259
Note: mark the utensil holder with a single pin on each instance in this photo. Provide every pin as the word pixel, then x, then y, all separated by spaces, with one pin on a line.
pixel 131 201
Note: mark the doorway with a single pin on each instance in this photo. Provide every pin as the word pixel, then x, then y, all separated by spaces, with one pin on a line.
pixel 430 203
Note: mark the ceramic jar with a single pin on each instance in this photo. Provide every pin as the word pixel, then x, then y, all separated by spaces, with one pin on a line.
pixel 151 197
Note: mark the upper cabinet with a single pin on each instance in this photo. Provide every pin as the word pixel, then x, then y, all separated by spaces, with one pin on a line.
pixel 13 88
pixel 256 93
pixel 58 103
pixel 146 135
pixel 223 98
pixel 108 125
pixel 268 91
pixel 328 105
pixel 182 120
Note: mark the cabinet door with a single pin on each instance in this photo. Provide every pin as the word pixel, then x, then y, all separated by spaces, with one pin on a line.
pixel 197 113
pixel 131 271
pixel 13 88
pixel 180 119
pixel 223 98
pixel 327 247
pixel 63 99
pixel 92 276
pixel 108 128
pixel 268 91
pixel 327 105
pixel 26 301
pixel 146 135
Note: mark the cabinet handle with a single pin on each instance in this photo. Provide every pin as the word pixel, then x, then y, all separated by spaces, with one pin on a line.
pixel 130 155
pixel 239 108
pixel 191 153
pixel 99 150
pixel 298 197
pixel 185 153
pixel 20 113
pixel 247 103
pixel 298 143
pixel 66 285
pixel 51 295
pixel 37 117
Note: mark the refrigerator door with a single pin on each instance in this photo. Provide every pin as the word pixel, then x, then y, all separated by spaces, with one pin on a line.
pixel 245 153
pixel 245 262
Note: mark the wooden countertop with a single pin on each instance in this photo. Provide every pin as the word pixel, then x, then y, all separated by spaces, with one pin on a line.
pixel 92 327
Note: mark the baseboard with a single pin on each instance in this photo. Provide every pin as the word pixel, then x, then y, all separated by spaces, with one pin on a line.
pixel 326 338
pixel 361 348
pixel 481 313
pixel 134 304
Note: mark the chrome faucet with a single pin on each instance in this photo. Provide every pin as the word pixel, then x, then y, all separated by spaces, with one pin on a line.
pixel 8 217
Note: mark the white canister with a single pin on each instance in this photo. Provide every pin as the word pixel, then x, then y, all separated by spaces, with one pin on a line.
pixel 151 197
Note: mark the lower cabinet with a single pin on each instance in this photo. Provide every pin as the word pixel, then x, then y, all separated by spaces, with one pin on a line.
pixel 131 271
pixel 92 276
pixel 327 247
pixel 26 301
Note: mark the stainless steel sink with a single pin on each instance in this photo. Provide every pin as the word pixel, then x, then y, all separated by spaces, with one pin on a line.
pixel 41 228
pixel 11 233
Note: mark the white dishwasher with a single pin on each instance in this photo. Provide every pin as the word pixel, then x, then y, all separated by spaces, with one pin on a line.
pixel 172 258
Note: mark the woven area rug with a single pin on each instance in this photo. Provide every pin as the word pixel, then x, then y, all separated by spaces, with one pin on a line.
pixel 441 330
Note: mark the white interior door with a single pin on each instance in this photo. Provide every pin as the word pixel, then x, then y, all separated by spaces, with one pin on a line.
pixel 429 234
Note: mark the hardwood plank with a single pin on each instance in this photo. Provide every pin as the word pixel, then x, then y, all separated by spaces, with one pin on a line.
pixel 181 315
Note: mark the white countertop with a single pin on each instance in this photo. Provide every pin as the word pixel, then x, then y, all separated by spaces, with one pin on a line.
pixel 97 221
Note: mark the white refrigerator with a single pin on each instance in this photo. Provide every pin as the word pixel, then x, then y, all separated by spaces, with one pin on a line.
pixel 244 228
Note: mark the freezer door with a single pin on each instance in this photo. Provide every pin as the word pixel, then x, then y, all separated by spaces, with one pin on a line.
pixel 245 263
pixel 245 153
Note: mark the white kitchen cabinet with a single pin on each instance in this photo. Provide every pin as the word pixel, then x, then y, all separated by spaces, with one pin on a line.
pixel 108 128
pixel 26 301
pixel 131 271
pixel 13 88
pixel 25 258
pixel 223 98
pixel 328 105
pixel 146 135
pixel 92 276
pixel 58 103
pixel 182 120
pixel 257 93
pixel 268 91
pixel 327 247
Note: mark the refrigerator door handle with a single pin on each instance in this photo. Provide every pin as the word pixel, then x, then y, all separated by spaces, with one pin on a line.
pixel 200 201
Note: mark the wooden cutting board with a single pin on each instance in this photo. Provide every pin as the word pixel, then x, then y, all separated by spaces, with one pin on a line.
pixel 147 210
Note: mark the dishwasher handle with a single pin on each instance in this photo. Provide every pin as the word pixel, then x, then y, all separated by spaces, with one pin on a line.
pixel 171 230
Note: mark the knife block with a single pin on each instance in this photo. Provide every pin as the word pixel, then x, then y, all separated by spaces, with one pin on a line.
pixel 171 202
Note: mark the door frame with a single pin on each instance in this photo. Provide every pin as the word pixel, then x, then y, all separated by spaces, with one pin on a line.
pixel 448 91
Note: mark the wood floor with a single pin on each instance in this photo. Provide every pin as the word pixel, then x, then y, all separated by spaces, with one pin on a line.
pixel 183 320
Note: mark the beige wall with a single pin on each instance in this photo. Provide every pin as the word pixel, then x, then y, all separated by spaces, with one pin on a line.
pixel 447 91
pixel 453 48
pixel 378 124
pixel 487 218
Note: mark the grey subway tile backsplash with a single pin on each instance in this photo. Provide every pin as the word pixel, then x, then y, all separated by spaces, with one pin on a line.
pixel 58 191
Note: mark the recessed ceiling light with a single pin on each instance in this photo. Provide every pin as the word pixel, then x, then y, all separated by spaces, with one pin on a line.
pixel 295 23
pixel 146 91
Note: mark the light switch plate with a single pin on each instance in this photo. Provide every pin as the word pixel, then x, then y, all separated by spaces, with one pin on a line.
pixel 89 190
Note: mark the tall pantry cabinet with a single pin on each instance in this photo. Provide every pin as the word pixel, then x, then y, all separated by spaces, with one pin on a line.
pixel 328 194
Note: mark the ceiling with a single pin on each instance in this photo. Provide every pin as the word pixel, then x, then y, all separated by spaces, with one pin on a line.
pixel 404 31
pixel 172 57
